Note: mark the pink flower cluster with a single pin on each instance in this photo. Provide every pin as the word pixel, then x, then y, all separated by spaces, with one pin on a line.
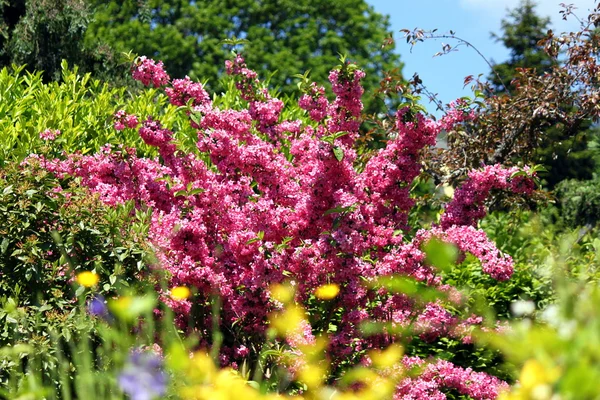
pixel 247 80
pixel 439 375
pixel 346 109
pixel 149 72
pixel 264 210
pixel 263 109
pixel 467 207
pixel 315 102
pixel 184 90
pixel 434 322
pixel 49 134
pixel 468 239
pixel 153 133
pixel 457 113
pixel 123 120
pixel 117 175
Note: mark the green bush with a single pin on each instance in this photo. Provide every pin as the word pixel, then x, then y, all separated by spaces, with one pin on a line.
pixel 80 107
pixel 557 348
pixel 50 230
pixel 533 239
pixel 579 201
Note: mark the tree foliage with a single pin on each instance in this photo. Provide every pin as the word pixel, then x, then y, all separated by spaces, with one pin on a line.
pixel 42 33
pixel 510 128
pixel 521 35
pixel 564 155
pixel 285 36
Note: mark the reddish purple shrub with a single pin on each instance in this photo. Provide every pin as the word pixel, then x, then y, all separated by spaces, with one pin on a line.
pixel 285 200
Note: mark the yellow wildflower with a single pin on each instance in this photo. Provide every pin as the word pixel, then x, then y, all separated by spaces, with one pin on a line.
pixel 535 373
pixel 283 293
pixel 180 293
pixel 388 357
pixel 87 279
pixel 327 292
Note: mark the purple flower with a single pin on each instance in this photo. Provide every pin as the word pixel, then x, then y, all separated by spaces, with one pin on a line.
pixel 143 377
pixel 97 307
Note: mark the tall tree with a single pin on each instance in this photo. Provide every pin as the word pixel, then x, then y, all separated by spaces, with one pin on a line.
pixel 521 33
pixel 565 155
pixel 42 33
pixel 286 36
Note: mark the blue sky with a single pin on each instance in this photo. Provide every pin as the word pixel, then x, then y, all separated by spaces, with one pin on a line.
pixel 472 20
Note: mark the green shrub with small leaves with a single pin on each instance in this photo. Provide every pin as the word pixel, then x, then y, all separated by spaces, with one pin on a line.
pixel 579 201
pixel 50 230
pixel 80 107
pixel 553 350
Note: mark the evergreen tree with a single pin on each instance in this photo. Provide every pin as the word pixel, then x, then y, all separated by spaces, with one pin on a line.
pixel 522 32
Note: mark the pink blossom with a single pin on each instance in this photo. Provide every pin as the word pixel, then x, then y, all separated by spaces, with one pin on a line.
pixel 184 90
pixel 442 374
pixel 153 134
pixel 149 72
pixel 123 120
pixel 467 207
pixel 49 134
pixel 315 102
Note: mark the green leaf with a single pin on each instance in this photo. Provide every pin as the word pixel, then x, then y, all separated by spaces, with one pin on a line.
pixel 132 307
pixel 518 173
pixel 45 307
pixel 440 254
pixel 8 190
pixel 338 152
pixel 196 118
pixel 196 191
pixel 79 291
pixel 177 357
pixel 339 210
pixel 405 285
pixel 4 245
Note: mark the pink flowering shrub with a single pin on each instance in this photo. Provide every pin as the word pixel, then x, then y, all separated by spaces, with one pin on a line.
pixel 442 375
pixel 269 200
pixel 315 102
pixel 467 207
pixel 184 90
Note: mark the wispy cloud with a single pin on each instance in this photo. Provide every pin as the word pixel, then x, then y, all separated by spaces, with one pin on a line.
pixel 496 9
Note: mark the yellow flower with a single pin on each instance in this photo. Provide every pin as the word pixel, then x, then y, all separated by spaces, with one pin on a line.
pixel 282 292
pixel 388 357
pixel 121 306
pixel 535 373
pixel 290 322
pixel 312 375
pixel 180 293
pixel 88 279
pixel 327 292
